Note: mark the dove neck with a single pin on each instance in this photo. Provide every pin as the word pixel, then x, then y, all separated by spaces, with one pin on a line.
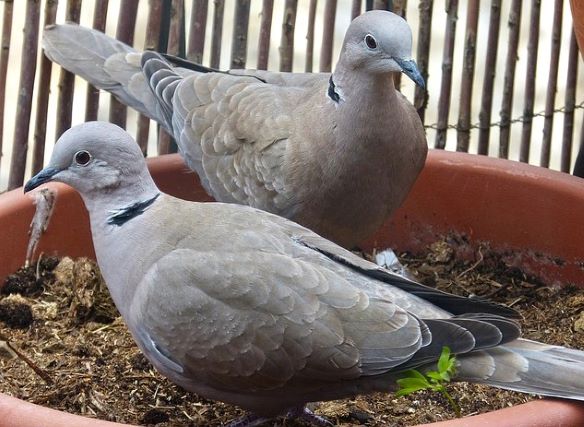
pixel 354 86
pixel 130 190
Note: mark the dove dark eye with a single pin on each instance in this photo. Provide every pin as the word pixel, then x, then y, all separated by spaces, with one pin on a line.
pixel 370 41
pixel 82 158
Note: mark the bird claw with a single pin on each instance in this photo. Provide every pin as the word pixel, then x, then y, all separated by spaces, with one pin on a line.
pixel 307 415
pixel 301 412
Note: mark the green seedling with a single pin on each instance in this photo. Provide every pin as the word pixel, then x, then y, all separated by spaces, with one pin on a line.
pixel 414 380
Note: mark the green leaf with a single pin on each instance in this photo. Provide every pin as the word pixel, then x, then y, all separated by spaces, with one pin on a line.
pixel 444 362
pixel 413 373
pixel 405 391
pixel 435 375
pixel 419 383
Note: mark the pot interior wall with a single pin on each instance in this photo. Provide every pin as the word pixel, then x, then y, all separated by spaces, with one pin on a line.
pixel 531 213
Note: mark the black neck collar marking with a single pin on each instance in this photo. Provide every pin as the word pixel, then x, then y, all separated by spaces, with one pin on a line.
pixel 120 216
pixel 332 93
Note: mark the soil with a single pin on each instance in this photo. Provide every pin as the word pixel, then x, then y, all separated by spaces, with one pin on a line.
pixel 63 345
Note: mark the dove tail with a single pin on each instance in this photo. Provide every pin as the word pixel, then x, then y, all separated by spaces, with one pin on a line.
pixel 104 62
pixel 529 367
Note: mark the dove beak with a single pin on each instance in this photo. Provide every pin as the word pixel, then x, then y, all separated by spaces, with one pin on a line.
pixel 410 69
pixel 43 176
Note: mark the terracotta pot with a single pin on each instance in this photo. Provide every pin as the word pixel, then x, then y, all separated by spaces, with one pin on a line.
pixel 534 211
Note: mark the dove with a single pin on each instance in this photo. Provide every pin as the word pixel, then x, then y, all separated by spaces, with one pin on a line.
pixel 246 307
pixel 337 153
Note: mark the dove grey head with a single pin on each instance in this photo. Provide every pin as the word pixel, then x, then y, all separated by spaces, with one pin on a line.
pixel 379 42
pixel 95 158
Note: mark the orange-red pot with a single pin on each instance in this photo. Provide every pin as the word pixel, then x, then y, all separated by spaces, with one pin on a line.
pixel 535 212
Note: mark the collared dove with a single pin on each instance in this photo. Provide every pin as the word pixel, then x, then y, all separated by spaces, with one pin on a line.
pixel 246 307
pixel 336 153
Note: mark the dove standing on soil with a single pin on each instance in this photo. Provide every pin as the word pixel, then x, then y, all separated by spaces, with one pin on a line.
pixel 336 153
pixel 243 306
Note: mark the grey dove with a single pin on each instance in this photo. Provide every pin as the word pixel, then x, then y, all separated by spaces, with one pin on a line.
pixel 337 153
pixel 246 307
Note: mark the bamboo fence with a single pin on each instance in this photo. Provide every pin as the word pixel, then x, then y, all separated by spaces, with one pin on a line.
pixel 464 40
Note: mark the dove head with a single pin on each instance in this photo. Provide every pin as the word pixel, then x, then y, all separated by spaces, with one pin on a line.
pixel 95 158
pixel 380 42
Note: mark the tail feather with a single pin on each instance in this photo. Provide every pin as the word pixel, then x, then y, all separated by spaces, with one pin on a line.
pixel 104 62
pixel 529 367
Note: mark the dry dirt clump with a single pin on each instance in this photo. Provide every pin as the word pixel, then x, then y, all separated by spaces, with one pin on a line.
pixel 63 345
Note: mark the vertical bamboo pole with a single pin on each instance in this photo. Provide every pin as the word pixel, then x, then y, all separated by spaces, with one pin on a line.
pixel 265 33
pixel 326 52
pixel 489 80
pixel 570 101
pixel 287 40
pixel 239 41
pixel 217 33
pixel 174 46
pixel 310 36
pixel 398 7
pixel 124 33
pixel 446 82
pixel 67 79
pixel 197 33
pixel 92 99
pixel 550 98
pixel 529 92
pixel 152 38
pixel 25 92
pixel 355 9
pixel 381 4
pixel 42 100
pixel 470 45
pixel 423 55
pixel 4 54
pixel 509 80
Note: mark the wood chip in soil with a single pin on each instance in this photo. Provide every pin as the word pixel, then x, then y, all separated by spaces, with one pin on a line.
pixel 59 315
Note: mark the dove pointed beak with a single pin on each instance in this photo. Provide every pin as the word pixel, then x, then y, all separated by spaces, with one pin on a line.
pixel 410 69
pixel 43 176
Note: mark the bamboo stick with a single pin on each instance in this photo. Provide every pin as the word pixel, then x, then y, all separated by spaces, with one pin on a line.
pixel 470 44
pixel 287 40
pixel 326 51
pixel 399 8
pixel 4 54
pixel 197 30
pixel 239 41
pixel 570 101
pixel 217 33
pixel 529 91
pixel 92 98
pixel 507 101
pixel 151 43
pixel 175 46
pixel 42 100
pixel 489 80
pixel 446 82
pixel 423 55
pixel 124 33
pixel 25 92
pixel 67 79
pixel 310 36
pixel 265 33
pixel 550 98
pixel 381 4
pixel 355 9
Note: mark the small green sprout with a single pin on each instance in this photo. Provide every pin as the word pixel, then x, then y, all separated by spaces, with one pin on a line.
pixel 414 380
